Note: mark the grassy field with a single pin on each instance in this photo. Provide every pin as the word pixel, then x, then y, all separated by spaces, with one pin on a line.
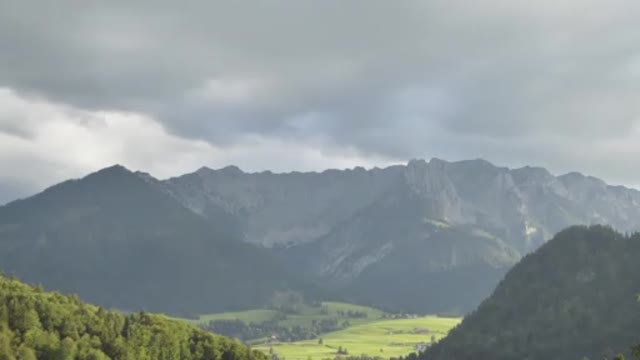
pixel 373 335
pixel 384 338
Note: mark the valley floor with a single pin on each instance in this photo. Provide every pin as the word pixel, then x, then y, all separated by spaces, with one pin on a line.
pixel 385 338
pixel 372 333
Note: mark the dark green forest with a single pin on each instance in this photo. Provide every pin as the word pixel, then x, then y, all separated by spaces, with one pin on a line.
pixel 35 324
pixel 574 298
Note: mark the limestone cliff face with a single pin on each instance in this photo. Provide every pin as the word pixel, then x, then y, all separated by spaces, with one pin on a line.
pixel 420 218
pixel 282 209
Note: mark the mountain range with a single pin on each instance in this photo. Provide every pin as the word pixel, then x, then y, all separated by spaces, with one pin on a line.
pixel 432 236
pixel 427 236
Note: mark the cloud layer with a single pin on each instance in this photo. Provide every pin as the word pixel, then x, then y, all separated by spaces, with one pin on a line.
pixel 42 143
pixel 546 82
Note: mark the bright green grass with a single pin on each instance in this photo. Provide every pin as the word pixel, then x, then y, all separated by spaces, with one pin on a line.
pixel 364 336
pixel 394 337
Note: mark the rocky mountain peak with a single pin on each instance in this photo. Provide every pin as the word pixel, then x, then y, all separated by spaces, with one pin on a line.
pixel 428 178
pixel 576 179
pixel 530 174
pixel 204 170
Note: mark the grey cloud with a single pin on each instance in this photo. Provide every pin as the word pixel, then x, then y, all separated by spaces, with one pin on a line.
pixel 456 79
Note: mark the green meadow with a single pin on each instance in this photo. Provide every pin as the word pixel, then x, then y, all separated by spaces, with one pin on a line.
pixel 376 335
pixel 383 338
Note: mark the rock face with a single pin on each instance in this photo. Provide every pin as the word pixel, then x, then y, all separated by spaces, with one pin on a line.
pixel 281 209
pixel 438 234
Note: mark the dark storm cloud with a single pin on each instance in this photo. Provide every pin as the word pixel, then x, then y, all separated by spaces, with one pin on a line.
pixel 514 81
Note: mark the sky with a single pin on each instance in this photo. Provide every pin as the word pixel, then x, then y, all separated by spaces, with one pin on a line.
pixel 169 86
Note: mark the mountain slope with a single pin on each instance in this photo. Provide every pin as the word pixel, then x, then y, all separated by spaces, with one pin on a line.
pixel 406 230
pixel 390 255
pixel 119 241
pixel 575 297
pixel 49 326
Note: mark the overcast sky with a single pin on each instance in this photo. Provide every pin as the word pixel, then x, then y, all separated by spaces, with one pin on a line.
pixel 169 86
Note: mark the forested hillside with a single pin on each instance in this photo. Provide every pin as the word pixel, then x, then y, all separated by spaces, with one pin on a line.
pixel 49 326
pixel 575 297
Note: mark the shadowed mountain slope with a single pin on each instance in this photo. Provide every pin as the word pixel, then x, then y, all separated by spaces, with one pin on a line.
pixel 119 241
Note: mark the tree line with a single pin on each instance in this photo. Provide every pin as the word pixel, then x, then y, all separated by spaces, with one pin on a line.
pixel 248 331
